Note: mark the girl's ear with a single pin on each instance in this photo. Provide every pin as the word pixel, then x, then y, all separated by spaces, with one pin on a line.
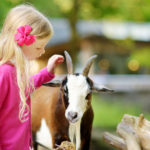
pixel 53 83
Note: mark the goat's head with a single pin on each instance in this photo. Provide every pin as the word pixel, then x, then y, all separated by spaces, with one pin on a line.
pixel 77 90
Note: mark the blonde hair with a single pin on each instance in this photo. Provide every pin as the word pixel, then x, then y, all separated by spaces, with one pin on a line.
pixel 21 15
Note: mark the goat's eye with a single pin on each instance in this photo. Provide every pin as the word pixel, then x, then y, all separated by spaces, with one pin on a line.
pixel 88 96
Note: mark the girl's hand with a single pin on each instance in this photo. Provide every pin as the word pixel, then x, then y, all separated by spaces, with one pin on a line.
pixel 53 62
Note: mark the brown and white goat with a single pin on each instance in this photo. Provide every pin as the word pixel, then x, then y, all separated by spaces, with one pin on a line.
pixel 65 113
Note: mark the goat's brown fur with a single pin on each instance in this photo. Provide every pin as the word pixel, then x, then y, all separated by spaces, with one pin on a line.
pixel 48 103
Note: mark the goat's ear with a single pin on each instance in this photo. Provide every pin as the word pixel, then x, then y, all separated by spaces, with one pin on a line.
pixel 53 83
pixel 101 88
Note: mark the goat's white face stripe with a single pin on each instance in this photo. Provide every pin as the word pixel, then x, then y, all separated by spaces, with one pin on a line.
pixel 78 89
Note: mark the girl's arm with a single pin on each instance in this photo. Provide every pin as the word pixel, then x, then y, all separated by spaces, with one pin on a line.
pixel 42 77
pixel 47 73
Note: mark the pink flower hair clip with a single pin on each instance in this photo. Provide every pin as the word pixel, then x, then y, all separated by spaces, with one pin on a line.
pixel 23 36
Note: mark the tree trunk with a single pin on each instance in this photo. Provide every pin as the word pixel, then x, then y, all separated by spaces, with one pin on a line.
pixel 73 19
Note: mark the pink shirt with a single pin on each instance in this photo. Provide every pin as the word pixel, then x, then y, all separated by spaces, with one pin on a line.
pixel 15 135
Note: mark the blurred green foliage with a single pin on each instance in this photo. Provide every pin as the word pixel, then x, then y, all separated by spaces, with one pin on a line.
pixel 114 10
pixel 133 10
pixel 108 114
pixel 142 56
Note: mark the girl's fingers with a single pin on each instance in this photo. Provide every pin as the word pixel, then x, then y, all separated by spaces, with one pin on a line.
pixel 60 59
pixel 56 59
pixel 53 61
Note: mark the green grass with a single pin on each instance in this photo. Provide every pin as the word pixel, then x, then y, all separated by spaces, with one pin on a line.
pixel 108 114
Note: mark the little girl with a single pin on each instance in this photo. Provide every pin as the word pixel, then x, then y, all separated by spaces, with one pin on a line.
pixel 23 37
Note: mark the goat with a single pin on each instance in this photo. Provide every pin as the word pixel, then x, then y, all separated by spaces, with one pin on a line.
pixel 65 113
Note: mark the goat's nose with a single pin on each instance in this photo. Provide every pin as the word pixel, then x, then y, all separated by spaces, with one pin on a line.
pixel 72 115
